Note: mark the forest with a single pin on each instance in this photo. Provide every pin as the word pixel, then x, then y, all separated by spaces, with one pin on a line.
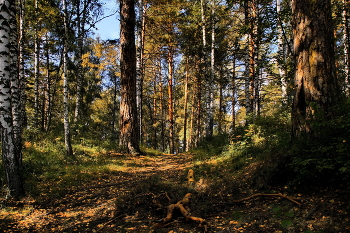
pixel 202 116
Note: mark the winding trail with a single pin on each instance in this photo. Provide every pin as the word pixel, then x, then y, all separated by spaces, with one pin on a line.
pixel 93 205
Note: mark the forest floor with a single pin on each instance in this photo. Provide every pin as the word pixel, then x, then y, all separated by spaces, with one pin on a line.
pixel 135 198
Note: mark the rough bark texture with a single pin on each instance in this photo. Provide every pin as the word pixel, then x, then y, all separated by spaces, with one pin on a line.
pixel 129 130
pixel 9 99
pixel 315 79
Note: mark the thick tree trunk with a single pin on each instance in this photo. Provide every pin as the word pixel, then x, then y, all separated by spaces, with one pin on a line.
pixel 10 115
pixel 129 124
pixel 315 76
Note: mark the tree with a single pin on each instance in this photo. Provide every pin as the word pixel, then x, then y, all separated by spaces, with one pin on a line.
pixel 67 134
pixel 129 130
pixel 10 99
pixel 315 75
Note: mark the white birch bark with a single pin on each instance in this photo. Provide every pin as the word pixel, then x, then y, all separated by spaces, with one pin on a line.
pixel 139 61
pixel 281 71
pixel 10 152
pixel 67 135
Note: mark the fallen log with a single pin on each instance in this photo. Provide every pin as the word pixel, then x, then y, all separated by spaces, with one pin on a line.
pixel 268 195
pixel 182 207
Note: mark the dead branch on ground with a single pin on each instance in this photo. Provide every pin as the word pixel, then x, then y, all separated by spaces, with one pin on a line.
pixel 268 195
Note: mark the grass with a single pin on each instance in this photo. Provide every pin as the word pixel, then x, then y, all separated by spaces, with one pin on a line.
pixel 49 171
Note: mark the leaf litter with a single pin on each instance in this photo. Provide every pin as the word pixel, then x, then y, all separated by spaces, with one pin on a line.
pixel 134 199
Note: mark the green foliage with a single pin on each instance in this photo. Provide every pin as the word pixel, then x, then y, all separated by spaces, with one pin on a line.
pixel 49 171
pixel 324 159
pixel 209 147
pixel 248 150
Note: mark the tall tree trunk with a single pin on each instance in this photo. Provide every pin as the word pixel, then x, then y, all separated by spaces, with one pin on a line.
pixel 220 114
pixel 233 98
pixel 139 61
pixel 10 115
pixel 163 112
pixel 346 39
pixel 185 108
pixel 79 73
pixel 155 106
pixel 281 49
pixel 315 75
pixel 48 110
pixel 67 134
pixel 21 70
pixel 170 101
pixel 198 135
pixel 210 123
pixel 129 124
pixel 36 69
pixel 252 56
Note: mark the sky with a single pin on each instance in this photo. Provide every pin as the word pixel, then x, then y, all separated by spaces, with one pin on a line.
pixel 108 28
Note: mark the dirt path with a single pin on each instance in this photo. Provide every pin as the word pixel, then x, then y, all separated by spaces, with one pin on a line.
pixel 133 199
pixel 99 205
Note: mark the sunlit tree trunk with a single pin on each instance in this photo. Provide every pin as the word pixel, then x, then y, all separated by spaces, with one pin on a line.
pixel 10 99
pixel 233 97
pixel 129 124
pixel 252 56
pixel 155 106
pixel 210 123
pixel 170 101
pixel 67 134
pixel 36 70
pixel 184 140
pixel 281 49
pixel 220 113
pixel 21 70
pixel 346 41
pixel 315 75
pixel 163 111
pixel 198 132
pixel 139 61
pixel 79 73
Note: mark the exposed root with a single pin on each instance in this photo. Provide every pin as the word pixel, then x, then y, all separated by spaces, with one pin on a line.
pixel 182 206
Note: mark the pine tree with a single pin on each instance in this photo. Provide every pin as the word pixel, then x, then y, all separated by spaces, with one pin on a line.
pixel 129 129
pixel 315 74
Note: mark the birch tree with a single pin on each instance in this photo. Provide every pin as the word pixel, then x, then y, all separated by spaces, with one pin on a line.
pixel 67 134
pixel 9 99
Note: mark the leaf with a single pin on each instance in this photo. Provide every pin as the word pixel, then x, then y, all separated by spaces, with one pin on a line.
pixel 286 223
pixel 289 214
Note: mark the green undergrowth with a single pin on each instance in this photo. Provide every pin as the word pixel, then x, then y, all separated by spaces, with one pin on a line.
pixel 48 171
pixel 249 150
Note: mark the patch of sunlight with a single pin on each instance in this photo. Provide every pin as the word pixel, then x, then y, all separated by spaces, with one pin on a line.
pixel 15 213
pixel 115 167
